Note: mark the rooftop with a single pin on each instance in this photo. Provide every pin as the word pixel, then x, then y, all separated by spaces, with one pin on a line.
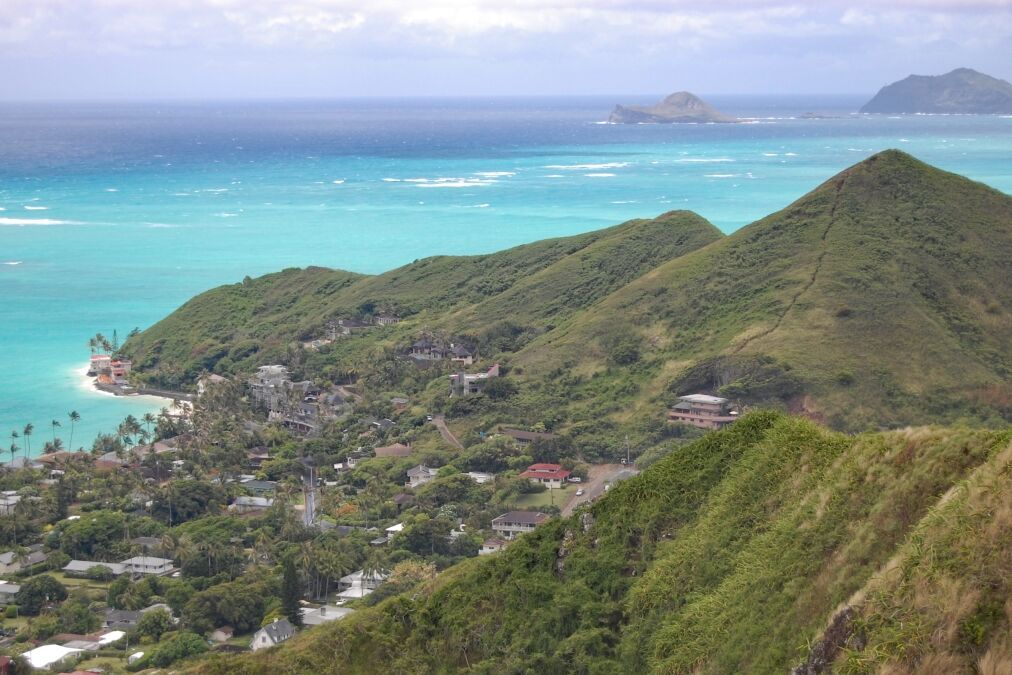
pixel 702 398
pixel 521 518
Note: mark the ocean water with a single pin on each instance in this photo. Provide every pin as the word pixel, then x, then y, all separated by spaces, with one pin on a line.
pixel 115 214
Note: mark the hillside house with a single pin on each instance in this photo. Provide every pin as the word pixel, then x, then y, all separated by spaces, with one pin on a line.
pixel 386 319
pixel 480 477
pixel 209 380
pixel 349 326
pixel 119 369
pixel 461 354
pixel 147 565
pixel 420 475
pixel 359 584
pixel 79 568
pixel 492 545
pixel 245 504
pixel 9 501
pixel 703 411
pixel 467 384
pixel 122 619
pixel 12 563
pixel 8 591
pixel 314 616
pixel 272 634
pixel 509 525
pixel 552 476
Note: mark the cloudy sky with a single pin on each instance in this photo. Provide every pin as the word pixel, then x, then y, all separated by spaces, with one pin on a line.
pixel 71 49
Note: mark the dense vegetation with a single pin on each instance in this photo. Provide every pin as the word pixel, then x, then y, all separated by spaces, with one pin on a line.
pixel 729 555
pixel 879 299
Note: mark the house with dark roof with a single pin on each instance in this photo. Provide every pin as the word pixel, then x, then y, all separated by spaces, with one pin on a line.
pixel 420 475
pixel 272 634
pixel 395 450
pixel 517 522
pixel 79 568
pixel 11 562
pixel 521 437
pixel 122 619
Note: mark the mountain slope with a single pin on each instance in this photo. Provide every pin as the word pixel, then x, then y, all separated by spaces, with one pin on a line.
pixel 729 555
pixel 239 325
pixel 962 91
pixel 880 298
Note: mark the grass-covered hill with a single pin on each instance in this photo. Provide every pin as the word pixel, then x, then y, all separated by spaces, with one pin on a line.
pixel 880 299
pixel 242 325
pixel 769 545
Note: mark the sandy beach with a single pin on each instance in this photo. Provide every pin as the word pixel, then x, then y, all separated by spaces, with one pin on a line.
pixel 87 384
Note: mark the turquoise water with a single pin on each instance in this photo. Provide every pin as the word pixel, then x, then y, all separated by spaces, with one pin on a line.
pixel 115 215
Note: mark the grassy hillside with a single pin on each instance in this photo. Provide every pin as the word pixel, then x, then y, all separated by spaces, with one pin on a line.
pixel 879 299
pixel 730 555
pixel 238 326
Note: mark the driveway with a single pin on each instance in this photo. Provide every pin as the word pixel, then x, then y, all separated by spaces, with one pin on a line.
pixel 444 431
pixel 598 476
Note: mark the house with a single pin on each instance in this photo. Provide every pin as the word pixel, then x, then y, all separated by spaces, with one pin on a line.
pixel 466 384
pixel 384 424
pixel 420 475
pixel 209 380
pixel 7 592
pixel 359 584
pixel 395 450
pixel 480 477
pixel 349 326
pixel 522 438
pixel 492 546
pixel 223 634
pixel 46 655
pixel 703 411
pixel 402 499
pixel 550 475
pixel 245 504
pixel 10 563
pixel 100 363
pixel 144 564
pixel 119 369
pixel 399 402
pixel 121 619
pixel 427 350
pixel 517 522
pixel 79 568
pixel 256 458
pixel 8 503
pixel 260 487
pixel 272 634
pixel 314 616
pixel 386 319
pixel 461 354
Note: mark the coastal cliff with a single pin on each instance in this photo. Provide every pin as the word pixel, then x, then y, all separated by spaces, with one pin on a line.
pixel 962 91
pixel 681 107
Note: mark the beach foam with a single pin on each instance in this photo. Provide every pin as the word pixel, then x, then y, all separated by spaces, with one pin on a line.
pixel 587 167
pixel 24 222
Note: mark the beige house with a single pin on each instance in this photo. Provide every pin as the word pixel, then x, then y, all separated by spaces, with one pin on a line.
pixel 703 411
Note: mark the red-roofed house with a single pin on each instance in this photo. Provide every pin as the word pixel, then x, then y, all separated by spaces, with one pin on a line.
pixel 549 475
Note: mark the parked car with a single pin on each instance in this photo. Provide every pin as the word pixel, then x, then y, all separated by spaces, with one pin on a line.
pixel 579 493
pixel 575 479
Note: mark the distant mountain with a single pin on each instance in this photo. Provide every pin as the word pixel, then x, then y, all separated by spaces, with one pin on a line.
pixel 962 91
pixel 681 107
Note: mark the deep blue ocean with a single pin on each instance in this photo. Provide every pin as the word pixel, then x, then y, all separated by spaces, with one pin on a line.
pixel 112 215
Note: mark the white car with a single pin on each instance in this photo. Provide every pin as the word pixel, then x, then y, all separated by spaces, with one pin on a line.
pixel 579 493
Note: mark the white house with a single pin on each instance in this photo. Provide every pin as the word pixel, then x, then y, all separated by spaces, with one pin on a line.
pixel 420 475
pixel 314 616
pixel 517 522
pixel 7 592
pixel 272 634
pixel 146 564
pixel 359 584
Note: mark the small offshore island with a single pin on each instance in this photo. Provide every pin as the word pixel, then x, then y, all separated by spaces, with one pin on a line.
pixel 679 108
pixel 963 91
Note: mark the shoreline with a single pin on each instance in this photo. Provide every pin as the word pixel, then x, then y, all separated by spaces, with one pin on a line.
pixel 88 384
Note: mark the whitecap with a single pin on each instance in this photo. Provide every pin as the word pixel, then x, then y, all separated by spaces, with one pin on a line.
pixel 703 160
pixel 161 225
pixel 225 214
pixel 769 154
pixel 417 180
pixel 180 194
pixel 391 180
pixel 36 208
pixel 12 262
pixel 554 175
pixel 495 174
pixel 587 167
pixel 625 201
pixel 338 181
pixel 790 154
pixel 478 206
pixel 454 183
pixel 111 190
pixel 215 190
pixel 22 222
pixel 907 140
pixel 722 175
pixel 599 175
pixel 2 208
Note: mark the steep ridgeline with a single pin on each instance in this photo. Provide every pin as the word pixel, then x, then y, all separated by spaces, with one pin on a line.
pixel 242 325
pixel 881 298
pixel 962 91
pixel 731 555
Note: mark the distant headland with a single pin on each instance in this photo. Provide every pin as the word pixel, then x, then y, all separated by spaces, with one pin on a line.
pixel 678 108
pixel 962 91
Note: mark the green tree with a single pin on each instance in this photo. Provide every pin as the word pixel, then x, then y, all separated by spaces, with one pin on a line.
pixel 291 592
pixel 27 433
pixel 75 417
pixel 76 615
pixel 155 623
pixel 38 591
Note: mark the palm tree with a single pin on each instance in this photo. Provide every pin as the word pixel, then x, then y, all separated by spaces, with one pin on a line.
pixel 27 433
pixel 55 424
pixel 14 451
pixel 148 420
pixel 75 417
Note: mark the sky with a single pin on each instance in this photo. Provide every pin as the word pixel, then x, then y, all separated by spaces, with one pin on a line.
pixel 198 49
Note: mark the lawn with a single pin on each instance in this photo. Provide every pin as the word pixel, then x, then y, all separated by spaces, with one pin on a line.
pixel 558 497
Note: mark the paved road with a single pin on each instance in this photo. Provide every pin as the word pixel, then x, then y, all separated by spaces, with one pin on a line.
pixel 593 487
pixel 444 431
